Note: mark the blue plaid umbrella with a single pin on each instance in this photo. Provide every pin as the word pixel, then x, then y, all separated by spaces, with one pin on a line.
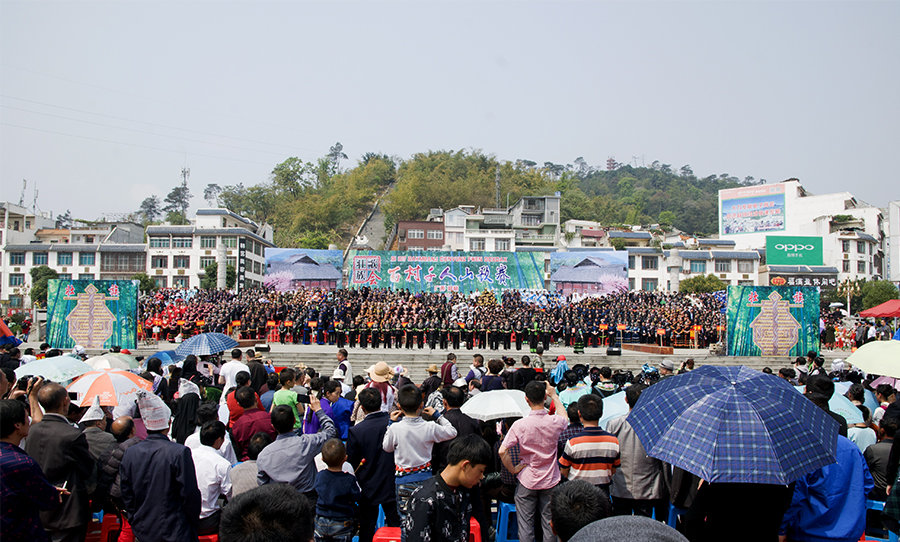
pixel 205 344
pixel 733 424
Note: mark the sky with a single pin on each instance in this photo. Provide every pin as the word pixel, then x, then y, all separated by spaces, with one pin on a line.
pixel 103 103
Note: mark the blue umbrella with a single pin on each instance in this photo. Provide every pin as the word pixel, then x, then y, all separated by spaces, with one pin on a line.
pixel 167 357
pixel 870 402
pixel 206 344
pixel 613 407
pixel 734 424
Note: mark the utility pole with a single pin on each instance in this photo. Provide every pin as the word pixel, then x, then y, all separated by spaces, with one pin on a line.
pixel 497 185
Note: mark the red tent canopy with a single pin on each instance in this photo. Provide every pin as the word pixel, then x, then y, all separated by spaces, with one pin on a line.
pixel 885 310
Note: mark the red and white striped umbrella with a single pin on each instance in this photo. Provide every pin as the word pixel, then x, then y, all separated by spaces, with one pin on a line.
pixel 113 386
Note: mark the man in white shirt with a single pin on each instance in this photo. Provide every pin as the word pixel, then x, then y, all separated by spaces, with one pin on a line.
pixel 344 365
pixel 208 413
pixel 213 479
pixel 229 371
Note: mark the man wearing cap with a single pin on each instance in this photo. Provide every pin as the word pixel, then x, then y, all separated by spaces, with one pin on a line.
pixel 159 483
pixel 666 368
pixel 94 424
pixel 62 452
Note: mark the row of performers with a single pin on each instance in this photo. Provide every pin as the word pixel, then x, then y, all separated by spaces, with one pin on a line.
pixel 442 336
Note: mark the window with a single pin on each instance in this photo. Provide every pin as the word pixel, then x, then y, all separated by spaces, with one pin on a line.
pixel 86 276
pixel 531 220
pixel 181 262
pixel 502 245
pixel 630 262
pixel 745 283
pixel 257 268
pixel 15 301
pixel 89 239
pixel 649 262
pixel 631 284
pixel 723 266
pixel 846 266
pixel 649 284
pixel 182 242
pixel 206 261
pixel 180 282
pixel 861 247
pixel 745 266
pixel 133 262
pixel 159 262
pixel 698 266
pixel 16 258
pixel 16 279
pixel 416 234
pixel 861 266
pixel 207 242
pixel 476 244
pixel 160 282
pixel 435 234
pixel 39 258
pixel 86 258
pixel 63 258
pixel 845 245
pixel 232 262
pixel 159 242
pixel 64 276
pixel 229 242
pixel 413 247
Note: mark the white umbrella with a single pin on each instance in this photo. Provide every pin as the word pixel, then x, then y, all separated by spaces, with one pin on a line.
pixel 878 357
pixel 835 304
pixel 113 360
pixel 492 405
pixel 57 369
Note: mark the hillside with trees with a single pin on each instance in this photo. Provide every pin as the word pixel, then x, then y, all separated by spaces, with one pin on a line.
pixel 314 203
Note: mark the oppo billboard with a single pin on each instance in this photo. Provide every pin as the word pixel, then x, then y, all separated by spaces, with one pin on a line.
pixel 791 250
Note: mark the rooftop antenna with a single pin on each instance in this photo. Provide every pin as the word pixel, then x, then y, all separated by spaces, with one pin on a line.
pixel 185 175
pixel 34 202
pixel 22 195
pixel 497 185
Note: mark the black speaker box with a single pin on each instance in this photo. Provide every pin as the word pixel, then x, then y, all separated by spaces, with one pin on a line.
pixel 614 351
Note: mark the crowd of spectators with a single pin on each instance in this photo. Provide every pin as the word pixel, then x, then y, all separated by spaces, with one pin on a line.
pixel 234 451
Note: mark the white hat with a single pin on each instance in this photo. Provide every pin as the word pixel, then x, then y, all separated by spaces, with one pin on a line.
pixel 837 365
pixel 460 382
pixel 78 349
pixel 154 412
pixel 186 387
pixel 667 364
pixel 94 413
pixel 338 374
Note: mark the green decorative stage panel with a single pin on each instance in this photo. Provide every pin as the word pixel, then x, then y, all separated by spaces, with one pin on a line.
pixel 772 320
pixel 92 313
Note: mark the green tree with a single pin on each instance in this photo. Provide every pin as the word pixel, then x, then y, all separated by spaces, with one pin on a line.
pixel 290 177
pixel 211 194
pixel 877 292
pixel 618 243
pixel 64 221
pixel 39 277
pixel 210 276
pixel 701 284
pixel 150 209
pixel 667 219
pixel 335 155
pixel 177 202
pixel 147 284
pixel 315 239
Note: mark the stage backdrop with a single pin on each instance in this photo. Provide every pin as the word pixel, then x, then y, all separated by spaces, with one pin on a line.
pixel 595 272
pixel 292 268
pixel 772 321
pixel 431 271
pixel 92 313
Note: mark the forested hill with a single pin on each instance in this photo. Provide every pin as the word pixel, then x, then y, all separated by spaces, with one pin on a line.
pixel 311 204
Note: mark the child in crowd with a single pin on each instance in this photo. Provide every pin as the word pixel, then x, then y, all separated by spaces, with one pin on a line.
pixel 287 396
pixel 442 507
pixel 336 508
pixel 411 438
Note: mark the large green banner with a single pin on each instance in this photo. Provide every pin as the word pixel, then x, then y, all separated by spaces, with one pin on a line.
pixel 772 320
pixel 92 313
pixel 793 250
pixel 430 271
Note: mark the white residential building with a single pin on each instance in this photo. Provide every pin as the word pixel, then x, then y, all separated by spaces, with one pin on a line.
pixel 853 232
pixel 894 242
pixel 177 256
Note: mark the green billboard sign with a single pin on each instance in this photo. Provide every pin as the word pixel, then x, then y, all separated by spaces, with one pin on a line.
pixel 92 313
pixel 793 250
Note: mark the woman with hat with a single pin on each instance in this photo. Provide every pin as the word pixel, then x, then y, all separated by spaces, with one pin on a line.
pixel 380 374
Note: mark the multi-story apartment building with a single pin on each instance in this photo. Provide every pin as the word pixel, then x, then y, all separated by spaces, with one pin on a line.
pixel 177 256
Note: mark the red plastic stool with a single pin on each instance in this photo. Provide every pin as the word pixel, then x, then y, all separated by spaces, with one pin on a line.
pixel 474 531
pixel 208 538
pixel 387 534
pixel 110 526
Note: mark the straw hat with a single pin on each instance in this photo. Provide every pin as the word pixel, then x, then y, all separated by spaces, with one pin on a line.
pixel 380 372
pixel 433 369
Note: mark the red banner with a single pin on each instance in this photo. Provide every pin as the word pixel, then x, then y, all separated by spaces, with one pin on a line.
pixel 621 327
pixel 660 331
pixel 270 323
pixel 289 323
pixel 235 322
